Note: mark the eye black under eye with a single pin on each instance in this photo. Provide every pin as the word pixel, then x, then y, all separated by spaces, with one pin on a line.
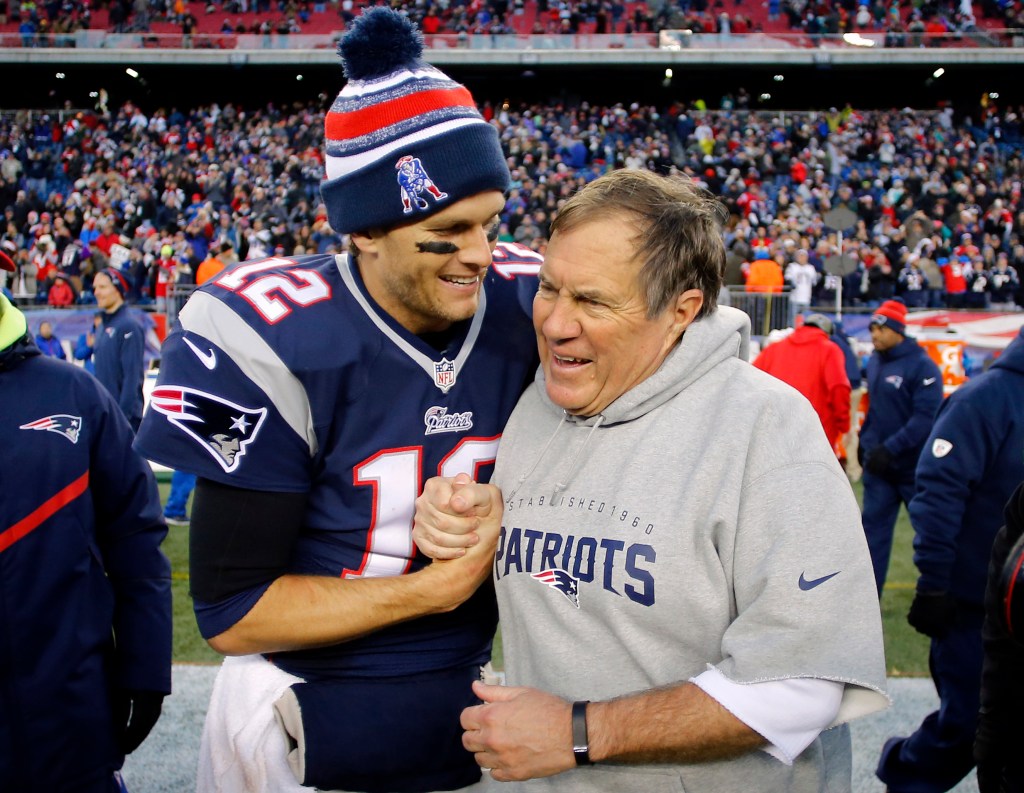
pixel 492 232
pixel 437 246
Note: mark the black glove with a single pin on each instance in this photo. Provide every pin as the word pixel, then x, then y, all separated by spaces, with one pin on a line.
pixel 990 753
pixel 932 613
pixel 877 461
pixel 135 713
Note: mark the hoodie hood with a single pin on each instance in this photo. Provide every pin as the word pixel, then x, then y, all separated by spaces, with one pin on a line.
pixel 1013 356
pixel 16 343
pixel 708 341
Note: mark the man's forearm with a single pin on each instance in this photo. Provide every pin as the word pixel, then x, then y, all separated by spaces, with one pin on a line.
pixel 680 724
pixel 302 611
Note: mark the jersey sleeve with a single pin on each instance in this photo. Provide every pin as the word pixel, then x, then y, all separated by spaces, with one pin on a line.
pixel 515 262
pixel 227 409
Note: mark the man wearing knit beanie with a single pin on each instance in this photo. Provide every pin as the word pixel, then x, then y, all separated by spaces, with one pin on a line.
pixel 891 314
pixel 120 346
pixel 313 396
pixel 904 393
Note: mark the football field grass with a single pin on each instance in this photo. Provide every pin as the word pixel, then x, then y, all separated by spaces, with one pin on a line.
pixel 906 651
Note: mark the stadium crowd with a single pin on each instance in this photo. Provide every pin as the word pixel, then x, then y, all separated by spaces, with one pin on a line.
pixel 935 22
pixel 933 199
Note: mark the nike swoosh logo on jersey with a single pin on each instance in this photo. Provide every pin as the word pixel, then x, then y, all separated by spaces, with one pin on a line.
pixel 208 358
pixel 929 381
pixel 806 585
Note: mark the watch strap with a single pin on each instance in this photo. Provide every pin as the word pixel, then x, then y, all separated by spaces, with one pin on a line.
pixel 580 740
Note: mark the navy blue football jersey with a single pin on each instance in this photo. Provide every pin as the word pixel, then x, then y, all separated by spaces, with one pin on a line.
pixel 286 376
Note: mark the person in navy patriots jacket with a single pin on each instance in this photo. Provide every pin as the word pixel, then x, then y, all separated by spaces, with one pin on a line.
pixel 85 591
pixel 904 392
pixel 969 468
pixel 313 396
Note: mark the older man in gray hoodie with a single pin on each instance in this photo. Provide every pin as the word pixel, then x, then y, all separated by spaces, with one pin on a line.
pixel 685 592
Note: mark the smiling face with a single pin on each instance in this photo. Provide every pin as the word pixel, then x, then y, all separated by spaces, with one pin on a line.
pixel 107 297
pixel 428 275
pixel 595 339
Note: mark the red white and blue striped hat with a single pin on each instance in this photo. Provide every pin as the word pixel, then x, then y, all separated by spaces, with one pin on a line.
pixel 403 140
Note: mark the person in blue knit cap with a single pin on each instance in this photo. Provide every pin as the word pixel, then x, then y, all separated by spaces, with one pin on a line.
pixel 312 396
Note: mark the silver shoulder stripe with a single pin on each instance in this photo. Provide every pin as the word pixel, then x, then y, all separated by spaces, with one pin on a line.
pixel 425 363
pixel 214 321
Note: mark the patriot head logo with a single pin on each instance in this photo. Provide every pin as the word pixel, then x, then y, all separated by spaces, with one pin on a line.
pixel 444 374
pixel 221 427
pixel 562 581
pixel 414 182
pixel 61 423
pixel 894 380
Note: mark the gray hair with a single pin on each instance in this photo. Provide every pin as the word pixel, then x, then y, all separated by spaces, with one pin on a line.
pixel 679 232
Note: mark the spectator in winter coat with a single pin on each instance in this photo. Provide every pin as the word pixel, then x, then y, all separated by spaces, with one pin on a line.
pixel 61 294
pixel 87 341
pixel 904 389
pixel 973 461
pixel 48 343
pixel 809 361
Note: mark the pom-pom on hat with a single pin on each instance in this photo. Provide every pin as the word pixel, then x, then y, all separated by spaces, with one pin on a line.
pixel 892 314
pixel 403 140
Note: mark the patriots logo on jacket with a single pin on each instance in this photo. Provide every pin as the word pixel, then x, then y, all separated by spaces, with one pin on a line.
pixel 562 581
pixel 61 423
pixel 894 380
pixel 221 427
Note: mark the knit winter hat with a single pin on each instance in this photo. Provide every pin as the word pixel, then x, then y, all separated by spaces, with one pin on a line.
pixel 892 314
pixel 5 262
pixel 820 321
pixel 117 278
pixel 403 140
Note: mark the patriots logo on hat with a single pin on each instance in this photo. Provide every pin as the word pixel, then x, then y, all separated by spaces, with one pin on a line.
pixel 61 423
pixel 221 427
pixel 444 374
pixel 413 182
pixel 562 581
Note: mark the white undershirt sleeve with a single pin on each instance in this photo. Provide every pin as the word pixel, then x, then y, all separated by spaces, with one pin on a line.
pixel 789 713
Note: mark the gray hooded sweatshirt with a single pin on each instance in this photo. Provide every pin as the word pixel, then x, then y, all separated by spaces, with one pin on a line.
pixel 700 520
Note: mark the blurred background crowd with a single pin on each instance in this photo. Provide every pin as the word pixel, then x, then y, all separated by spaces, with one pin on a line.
pixel 919 204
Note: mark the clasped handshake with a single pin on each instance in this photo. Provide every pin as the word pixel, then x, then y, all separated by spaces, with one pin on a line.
pixel 517 733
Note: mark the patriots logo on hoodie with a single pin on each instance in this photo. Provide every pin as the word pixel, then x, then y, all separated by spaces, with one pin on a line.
pixel 221 427
pixel 562 581
pixel 61 423
pixel 894 380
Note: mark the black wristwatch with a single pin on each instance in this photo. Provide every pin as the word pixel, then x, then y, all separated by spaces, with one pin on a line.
pixel 580 741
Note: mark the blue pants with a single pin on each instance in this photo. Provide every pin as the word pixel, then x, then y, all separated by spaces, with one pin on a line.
pixel 882 499
pixel 182 485
pixel 940 754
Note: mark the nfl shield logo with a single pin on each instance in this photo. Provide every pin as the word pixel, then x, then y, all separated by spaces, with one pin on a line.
pixel 444 374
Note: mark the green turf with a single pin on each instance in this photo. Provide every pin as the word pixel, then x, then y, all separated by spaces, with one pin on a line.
pixel 906 651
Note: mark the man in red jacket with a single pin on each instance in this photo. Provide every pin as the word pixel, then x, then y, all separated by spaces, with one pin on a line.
pixel 813 364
